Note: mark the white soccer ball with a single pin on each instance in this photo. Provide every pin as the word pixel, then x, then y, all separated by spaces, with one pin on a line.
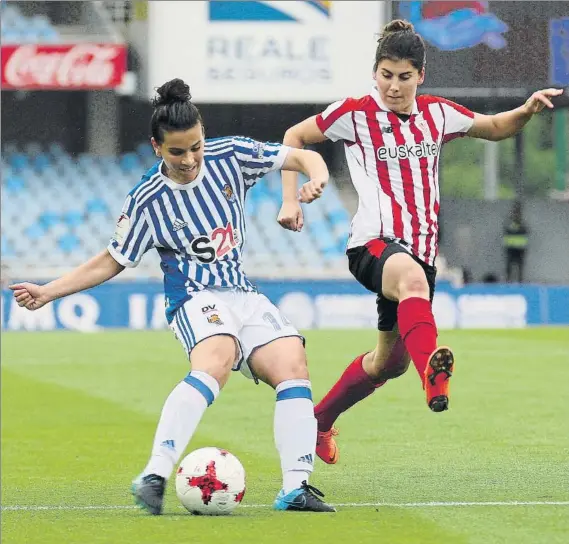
pixel 210 481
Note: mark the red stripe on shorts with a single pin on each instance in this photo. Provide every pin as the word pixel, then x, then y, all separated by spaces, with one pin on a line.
pixel 376 247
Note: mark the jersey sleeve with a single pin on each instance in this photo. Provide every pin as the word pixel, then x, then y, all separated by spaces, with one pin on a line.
pixel 258 158
pixel 458 119
pixel 132 237
pixel 336 123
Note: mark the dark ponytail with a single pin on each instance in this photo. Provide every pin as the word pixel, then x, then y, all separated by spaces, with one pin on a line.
pixel 173 109
pixel 399 41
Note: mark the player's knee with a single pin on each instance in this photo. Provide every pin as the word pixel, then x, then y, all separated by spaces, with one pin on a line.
pixel 413 284
pixel 216 356
pixel 295 367
pixel 292 367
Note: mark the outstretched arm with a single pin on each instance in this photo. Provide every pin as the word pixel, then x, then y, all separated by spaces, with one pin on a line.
pixel 503 125
pixel 95 271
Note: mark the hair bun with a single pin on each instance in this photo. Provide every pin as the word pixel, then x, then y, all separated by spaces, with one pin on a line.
pixel 171 92
pixel 397 25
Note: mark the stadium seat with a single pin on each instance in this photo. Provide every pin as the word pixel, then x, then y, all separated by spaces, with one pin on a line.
pixel 73 218
pixel 14 184
pixel 68 242
pixel 41 162
pixel 95 206
pixel 36 231
pixel 6 247
pixel 48 219
pixel 130 163
pixel 19 161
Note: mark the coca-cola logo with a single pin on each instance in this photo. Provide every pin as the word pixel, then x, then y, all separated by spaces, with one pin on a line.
pixel 74 66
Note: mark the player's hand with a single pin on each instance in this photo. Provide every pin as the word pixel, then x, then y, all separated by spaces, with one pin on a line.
pixel 29 295
pixel 538 100
pixel 312 190
pixel 290 216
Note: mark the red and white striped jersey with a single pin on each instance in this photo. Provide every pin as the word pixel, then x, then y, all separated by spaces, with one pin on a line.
pixel 394 165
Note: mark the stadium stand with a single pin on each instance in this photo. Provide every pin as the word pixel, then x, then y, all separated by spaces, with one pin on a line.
pixel 58 210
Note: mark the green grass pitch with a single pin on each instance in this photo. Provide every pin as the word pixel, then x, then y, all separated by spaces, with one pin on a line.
pixel 79 413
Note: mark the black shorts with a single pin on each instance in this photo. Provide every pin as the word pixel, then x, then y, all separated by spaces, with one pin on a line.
pixel 366 265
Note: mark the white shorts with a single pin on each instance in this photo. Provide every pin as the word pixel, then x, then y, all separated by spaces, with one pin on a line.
pixel 251 318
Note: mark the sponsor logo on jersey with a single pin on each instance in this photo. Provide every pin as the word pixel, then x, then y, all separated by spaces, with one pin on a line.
pixel 408 151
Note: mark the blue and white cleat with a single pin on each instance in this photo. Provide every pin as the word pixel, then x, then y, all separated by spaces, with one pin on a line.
pixel 148 492
pixel 304 499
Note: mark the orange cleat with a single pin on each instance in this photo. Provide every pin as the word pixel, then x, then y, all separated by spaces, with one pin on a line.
pixel 437 374
pixel 326 447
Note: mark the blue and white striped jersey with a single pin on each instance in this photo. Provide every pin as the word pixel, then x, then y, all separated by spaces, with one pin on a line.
pixel 197 228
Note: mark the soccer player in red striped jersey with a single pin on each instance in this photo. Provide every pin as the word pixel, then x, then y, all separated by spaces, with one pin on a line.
pixel 392 140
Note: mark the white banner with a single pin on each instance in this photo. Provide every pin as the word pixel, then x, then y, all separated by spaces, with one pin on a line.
pixel 257 52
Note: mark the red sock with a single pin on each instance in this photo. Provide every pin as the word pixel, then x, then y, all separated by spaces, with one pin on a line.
pixel 354 385
pixel 418 330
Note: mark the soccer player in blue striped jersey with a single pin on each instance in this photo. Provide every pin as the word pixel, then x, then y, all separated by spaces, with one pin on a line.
pixel 190 208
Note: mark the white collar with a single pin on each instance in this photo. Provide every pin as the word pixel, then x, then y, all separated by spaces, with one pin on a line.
pixel 181 186
pixel 376 96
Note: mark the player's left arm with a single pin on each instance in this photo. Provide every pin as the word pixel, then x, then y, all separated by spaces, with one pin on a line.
pixel 505 124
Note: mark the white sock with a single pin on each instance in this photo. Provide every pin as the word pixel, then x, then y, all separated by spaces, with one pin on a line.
pixel 295 432
pixel 180 417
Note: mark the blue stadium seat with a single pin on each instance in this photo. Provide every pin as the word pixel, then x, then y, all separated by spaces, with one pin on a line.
pixel 10 36
pixel 6 247
pixel 15 184
pixel 251 205
pixel 146 153
pixel 254 238
pixel 130 162
pixel 18 161
pixel 35 231
pixel 96 205
pixel 338 215
pixel 48 218
pixel 68 242
pixel 73 218
pixel 322 237
pixel 41 162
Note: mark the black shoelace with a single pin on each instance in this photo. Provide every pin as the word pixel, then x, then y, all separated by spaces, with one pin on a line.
pixel 314 491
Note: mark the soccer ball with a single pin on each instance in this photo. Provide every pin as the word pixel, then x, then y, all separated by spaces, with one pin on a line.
pixel 210 481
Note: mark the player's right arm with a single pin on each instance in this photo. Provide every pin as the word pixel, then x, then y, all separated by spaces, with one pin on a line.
pixel 304 133
pixel 132 238
pixel 332 124
pixel 97 270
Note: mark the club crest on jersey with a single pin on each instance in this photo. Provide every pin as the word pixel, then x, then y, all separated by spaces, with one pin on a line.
pixel 214 319
pixel 228 193
pixel 421 124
